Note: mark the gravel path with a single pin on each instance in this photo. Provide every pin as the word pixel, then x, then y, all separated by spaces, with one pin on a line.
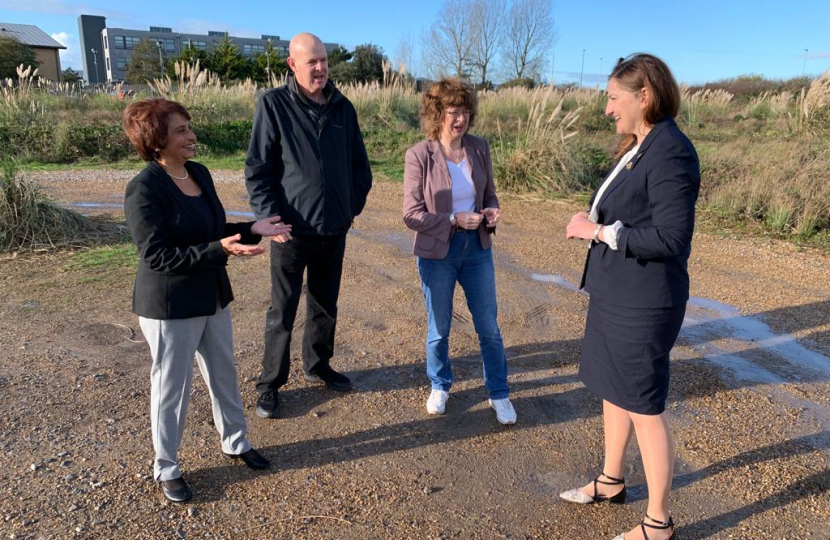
pixel 749 398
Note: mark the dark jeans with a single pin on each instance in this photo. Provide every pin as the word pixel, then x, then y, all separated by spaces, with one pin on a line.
pixel 323 257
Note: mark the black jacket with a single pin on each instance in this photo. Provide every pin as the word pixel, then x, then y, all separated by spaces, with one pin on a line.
pixel 306 164
pixel 655 200
pixel 181 270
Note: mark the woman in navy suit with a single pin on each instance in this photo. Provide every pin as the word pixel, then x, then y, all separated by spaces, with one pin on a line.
pixel 639 226
pixel 182 289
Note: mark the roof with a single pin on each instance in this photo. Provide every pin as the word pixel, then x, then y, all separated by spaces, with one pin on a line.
pixel 28 34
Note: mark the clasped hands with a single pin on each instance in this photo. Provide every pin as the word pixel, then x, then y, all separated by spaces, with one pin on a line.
pixel 580 227
pixel 272 226
pixel 471 220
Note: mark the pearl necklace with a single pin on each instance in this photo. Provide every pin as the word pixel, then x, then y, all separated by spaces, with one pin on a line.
pixel 185 177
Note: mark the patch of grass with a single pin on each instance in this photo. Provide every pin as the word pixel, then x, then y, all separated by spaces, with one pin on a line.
pixel 105 257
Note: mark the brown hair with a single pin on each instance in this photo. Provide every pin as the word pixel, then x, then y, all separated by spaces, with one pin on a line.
pixel 146 123
pixel 641 70
pixel 441 96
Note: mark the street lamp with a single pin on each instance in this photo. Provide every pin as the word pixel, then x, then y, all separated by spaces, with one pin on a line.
pixel 804 67
pixel 582 70
pixel 95 61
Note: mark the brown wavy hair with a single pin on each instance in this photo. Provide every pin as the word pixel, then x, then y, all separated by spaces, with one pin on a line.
pixel 146 123
pixel 441 96
pixel 641 70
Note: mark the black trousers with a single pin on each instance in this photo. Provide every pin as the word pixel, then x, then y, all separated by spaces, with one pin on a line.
pixel 322 257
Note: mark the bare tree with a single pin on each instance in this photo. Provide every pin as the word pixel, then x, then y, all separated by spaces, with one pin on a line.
pixel 447 47
pixel 403 59
pixel 487 19
pixel 530 35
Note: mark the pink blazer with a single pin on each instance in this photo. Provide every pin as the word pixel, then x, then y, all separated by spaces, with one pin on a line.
pixel 427 194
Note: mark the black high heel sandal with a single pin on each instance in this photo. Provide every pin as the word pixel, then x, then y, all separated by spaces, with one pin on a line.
pixel 661 525
pixel 576 496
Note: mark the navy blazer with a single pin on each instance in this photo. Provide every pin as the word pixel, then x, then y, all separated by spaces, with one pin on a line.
pixel 655 200
pixel 181 270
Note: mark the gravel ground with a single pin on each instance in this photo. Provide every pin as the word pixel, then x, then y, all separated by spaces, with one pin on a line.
pixel 749 399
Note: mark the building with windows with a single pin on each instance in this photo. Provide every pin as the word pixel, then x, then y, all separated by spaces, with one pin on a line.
pixel 45 48
pixel 107 51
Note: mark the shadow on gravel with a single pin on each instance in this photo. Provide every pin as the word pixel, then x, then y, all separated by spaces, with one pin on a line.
pixel 814 485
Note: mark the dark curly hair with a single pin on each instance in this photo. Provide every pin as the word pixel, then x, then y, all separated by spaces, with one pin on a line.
pixel 441 96
pixel 146 123
pixel 641 70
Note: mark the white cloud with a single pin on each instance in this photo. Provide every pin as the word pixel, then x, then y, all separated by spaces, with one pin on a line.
pixel 70 57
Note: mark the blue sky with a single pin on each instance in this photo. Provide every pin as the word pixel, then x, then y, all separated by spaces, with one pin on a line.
pixel 701 40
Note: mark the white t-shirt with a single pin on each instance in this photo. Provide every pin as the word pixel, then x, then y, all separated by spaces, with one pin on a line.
pixel 463 189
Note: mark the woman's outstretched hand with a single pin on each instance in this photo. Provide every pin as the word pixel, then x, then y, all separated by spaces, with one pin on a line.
pixel 232 246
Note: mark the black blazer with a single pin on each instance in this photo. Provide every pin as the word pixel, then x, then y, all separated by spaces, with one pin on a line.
pixel 655 200
pixel 181 271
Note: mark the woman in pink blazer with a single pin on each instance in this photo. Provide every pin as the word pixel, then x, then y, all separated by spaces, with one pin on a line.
pixel 450 202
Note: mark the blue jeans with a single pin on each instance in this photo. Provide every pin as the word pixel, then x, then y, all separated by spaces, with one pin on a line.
pixel 472 266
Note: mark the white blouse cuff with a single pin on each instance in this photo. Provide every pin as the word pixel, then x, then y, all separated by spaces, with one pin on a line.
pixel 611 234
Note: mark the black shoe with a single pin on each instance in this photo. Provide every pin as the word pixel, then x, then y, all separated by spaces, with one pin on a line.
pixel 176 490
pixel 267 404
pixel 334 381
pixel 252 458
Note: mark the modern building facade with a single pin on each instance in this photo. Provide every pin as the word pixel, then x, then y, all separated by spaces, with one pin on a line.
pixel 107 51
pixel 46 49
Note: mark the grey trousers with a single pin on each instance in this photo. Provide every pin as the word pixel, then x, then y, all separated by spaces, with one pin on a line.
pixel 173 344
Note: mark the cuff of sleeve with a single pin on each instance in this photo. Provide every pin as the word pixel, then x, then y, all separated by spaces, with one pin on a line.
pixel 611 235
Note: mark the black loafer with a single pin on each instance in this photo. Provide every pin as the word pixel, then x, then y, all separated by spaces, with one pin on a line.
pixel 268 404
pixel 333 380
pixel 176 490
pixel 252 458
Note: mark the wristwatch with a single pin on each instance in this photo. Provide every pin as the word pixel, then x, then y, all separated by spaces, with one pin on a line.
pixel 595 236
pixel 452 220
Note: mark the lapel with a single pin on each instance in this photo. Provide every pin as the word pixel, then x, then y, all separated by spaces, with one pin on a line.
pixel 476 167
pixel 176 195
pixel 440 180
pixel 628 169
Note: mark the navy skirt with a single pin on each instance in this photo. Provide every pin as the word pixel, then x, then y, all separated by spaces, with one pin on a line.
pixel 625 354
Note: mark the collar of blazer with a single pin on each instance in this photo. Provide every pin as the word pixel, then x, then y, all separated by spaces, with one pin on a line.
pixel 474 158
pixel 176 194
pixel 631 165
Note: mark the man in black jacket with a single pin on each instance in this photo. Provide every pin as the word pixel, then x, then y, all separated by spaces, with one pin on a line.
pixel 307 163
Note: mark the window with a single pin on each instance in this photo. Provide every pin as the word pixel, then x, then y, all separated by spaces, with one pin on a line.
pixel 168 45
pixel 105 44
pixel 131 42
pixel 252 50
pixel 108 64
pixel 200 45
pixel 119 42
pixel 121 63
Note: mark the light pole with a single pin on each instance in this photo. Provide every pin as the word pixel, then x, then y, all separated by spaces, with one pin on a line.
pixel 95 62
pixel 600 66
pixel 582 70
pixel 268 59
pixel 553 71
pixel 161 61
pixel 804 67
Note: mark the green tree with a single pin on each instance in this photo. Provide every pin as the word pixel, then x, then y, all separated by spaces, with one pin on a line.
pixel 366 65
pixel 226 60
pixel 272 59
pixel 339 54
pixel 69 75
pixel 146 63
pixel 189 55
pixel 12 54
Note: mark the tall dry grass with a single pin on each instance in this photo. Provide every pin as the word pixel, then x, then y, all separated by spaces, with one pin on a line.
pixel 30 220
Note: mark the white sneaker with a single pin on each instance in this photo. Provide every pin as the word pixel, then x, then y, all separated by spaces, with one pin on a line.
pixel 437 401
pixel 505 413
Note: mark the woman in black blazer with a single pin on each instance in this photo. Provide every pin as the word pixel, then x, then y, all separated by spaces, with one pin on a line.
pixel 639 226
pixel 182 289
